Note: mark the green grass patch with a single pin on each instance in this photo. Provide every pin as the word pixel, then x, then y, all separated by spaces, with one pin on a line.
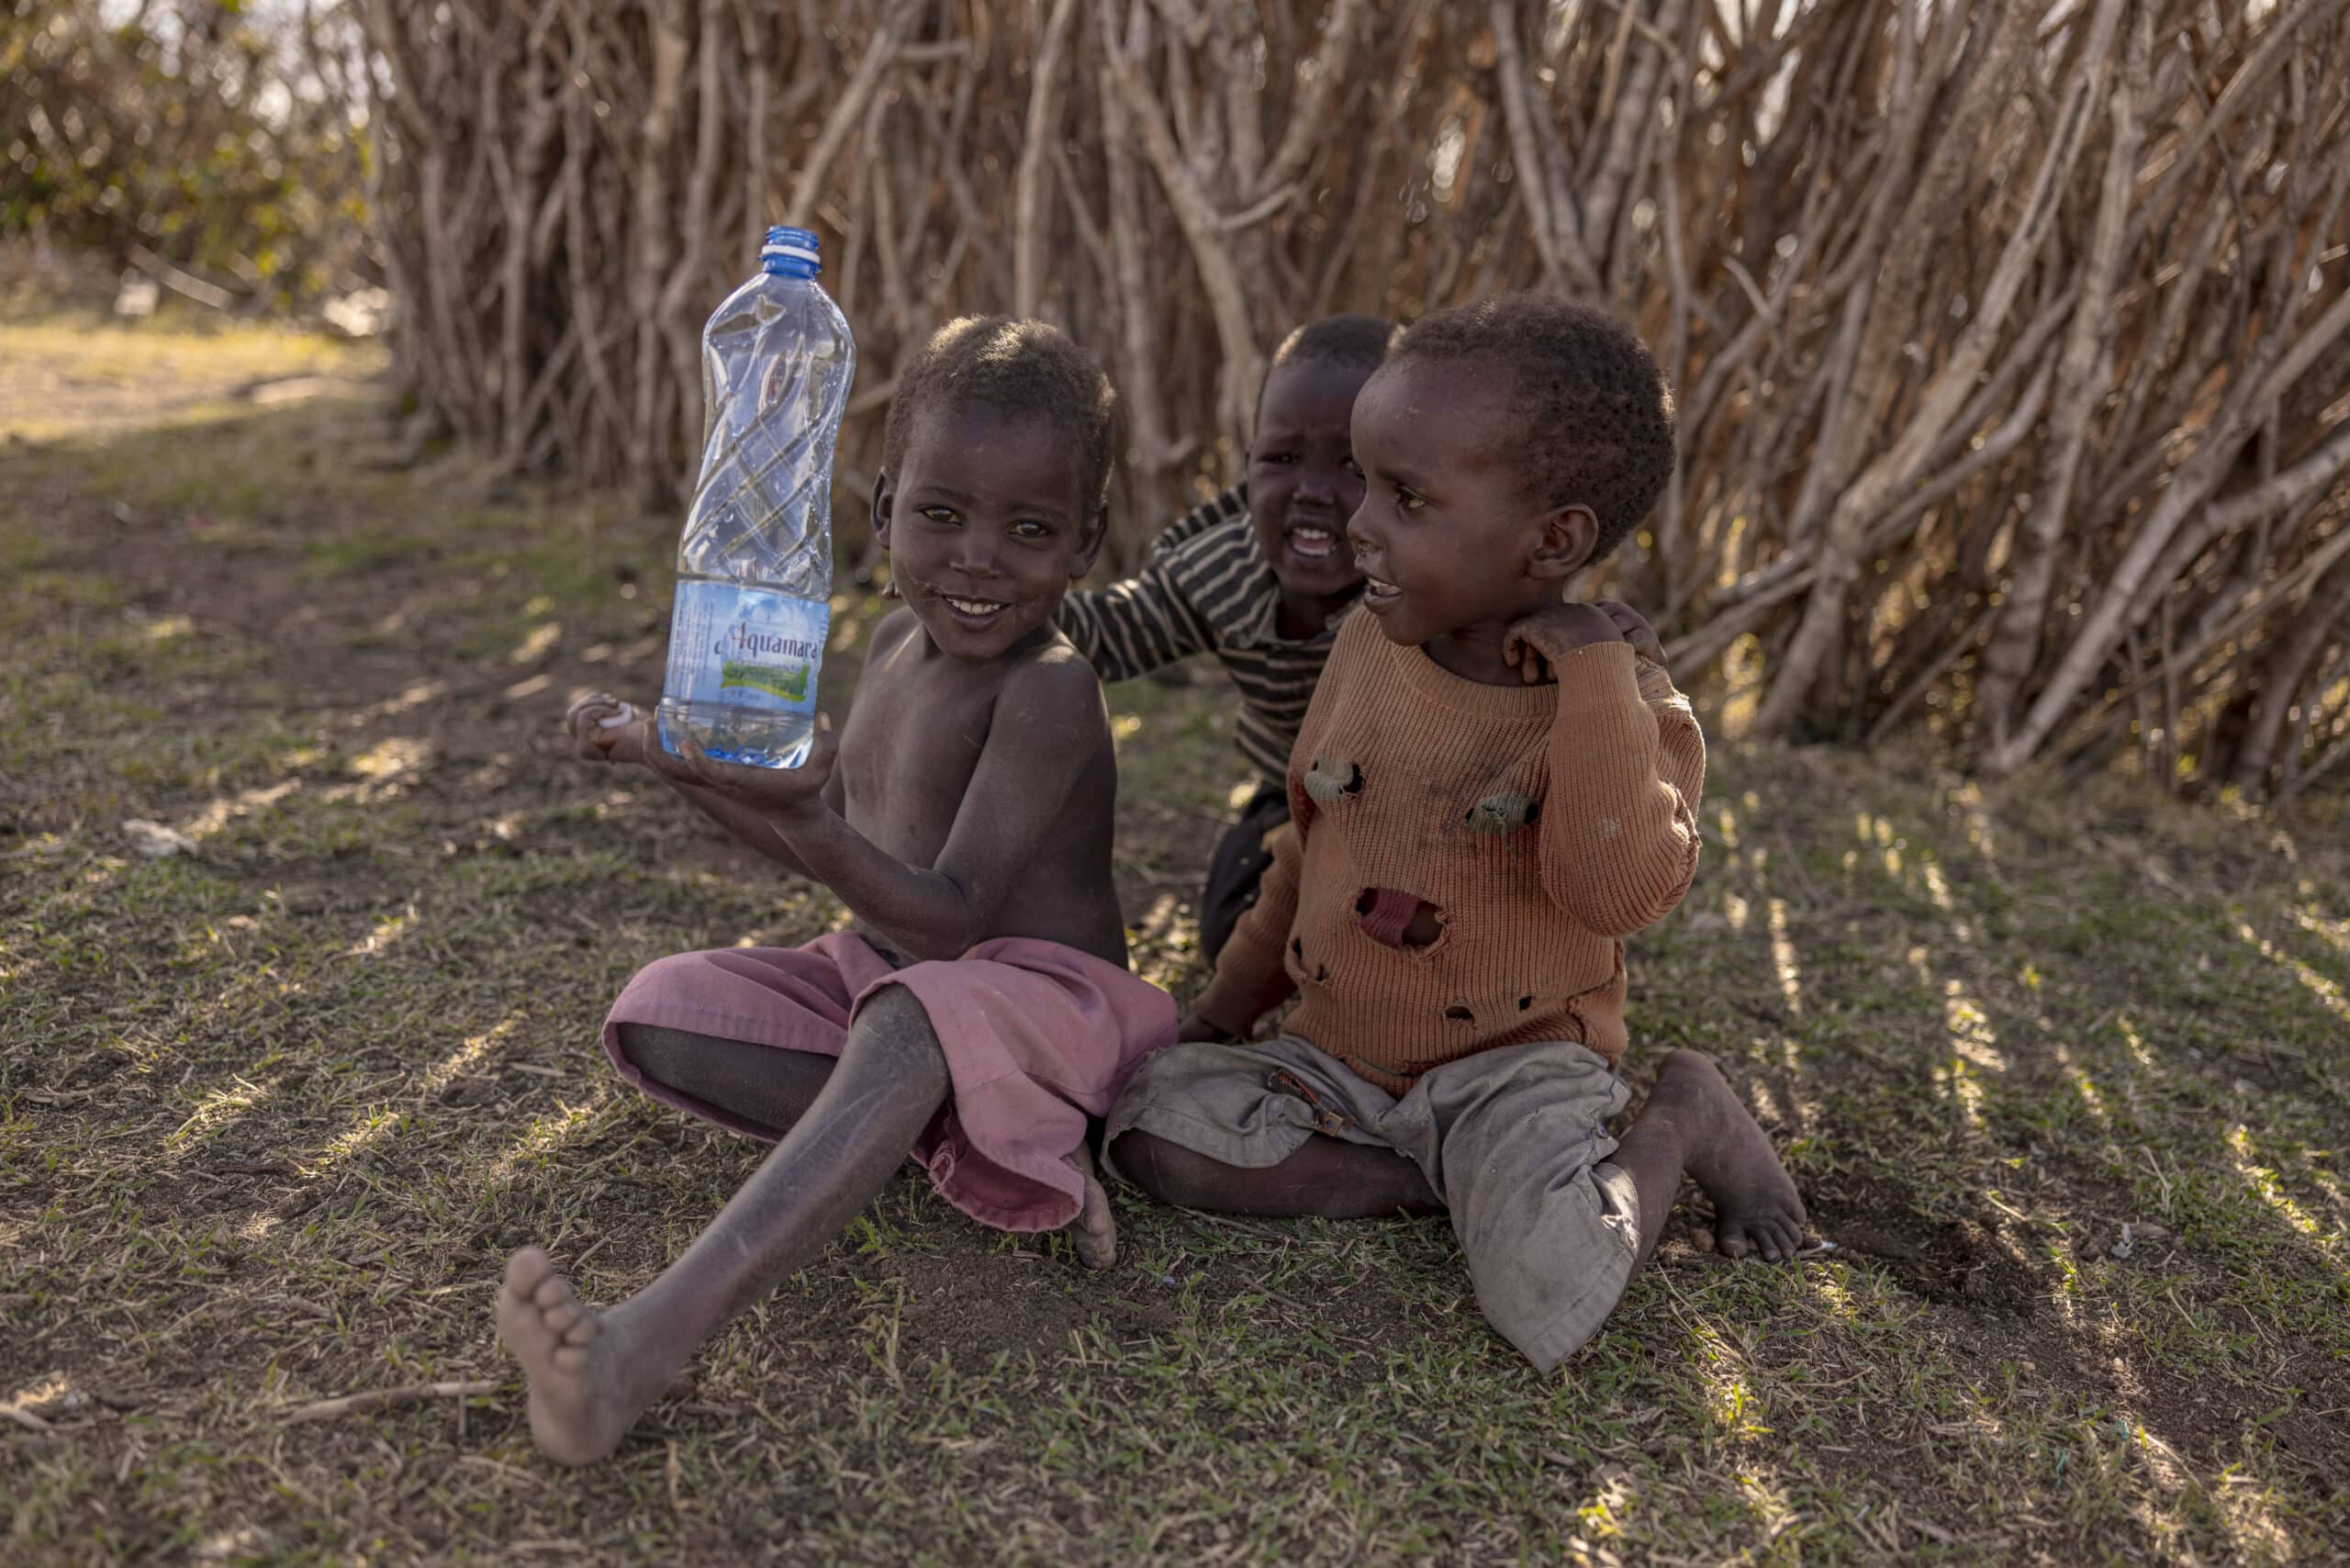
pixel 2060 1075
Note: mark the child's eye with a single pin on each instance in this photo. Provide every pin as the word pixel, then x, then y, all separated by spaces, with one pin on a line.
pixel 1029 528
pixel 939 514
pixel 1407 501
pixel 1350 466
pixel 1283 458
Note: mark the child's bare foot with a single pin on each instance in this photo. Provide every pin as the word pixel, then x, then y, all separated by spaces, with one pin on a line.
pixel 1755 1206
pixel 580 1371
pixel 1093 1232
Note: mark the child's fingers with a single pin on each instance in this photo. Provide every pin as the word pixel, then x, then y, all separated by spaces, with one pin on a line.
pixel 666 763
pixel 720 778
pixel 824 746
pixel 699 767
pixel 592 744
pixel 593 701
pixel 677 766
pixel 593 721
pixel 1634 626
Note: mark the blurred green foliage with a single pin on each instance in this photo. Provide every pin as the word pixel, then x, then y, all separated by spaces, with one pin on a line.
pixel 227 139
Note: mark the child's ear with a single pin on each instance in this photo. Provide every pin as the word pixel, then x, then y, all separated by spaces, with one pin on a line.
pixel 885 498
pixel 1090 534
pixel 1569 535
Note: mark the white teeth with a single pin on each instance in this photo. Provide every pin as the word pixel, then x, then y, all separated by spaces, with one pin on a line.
pixel 1312 540
pixel 975 606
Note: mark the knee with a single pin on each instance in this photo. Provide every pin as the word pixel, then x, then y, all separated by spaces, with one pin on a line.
pixel 658 1053
pixel 892 1029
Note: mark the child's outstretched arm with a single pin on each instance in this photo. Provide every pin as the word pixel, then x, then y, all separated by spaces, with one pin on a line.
pixel 1134 627
pixel 605 729
pixel 1147 622
pixel 1619 830
pixel 1047 729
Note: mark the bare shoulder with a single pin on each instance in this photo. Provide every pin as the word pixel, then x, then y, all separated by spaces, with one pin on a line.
pixel 891 629
pixel 1053 684
pixel 880 672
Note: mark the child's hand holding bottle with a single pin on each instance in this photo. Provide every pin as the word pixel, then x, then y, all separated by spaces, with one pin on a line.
pixel 773 792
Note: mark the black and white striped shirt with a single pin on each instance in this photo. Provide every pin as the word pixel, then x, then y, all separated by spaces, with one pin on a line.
pixel 1207 588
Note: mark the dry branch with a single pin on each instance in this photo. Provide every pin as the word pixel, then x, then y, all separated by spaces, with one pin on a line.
pixel 379 1398
pixel 2014 338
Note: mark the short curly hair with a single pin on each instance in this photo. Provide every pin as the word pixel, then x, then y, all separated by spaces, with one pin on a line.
pixel 1013 366
pixel 1590 418
pixel 1358 341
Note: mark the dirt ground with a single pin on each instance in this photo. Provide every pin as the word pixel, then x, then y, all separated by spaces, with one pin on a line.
pixel 2061 1072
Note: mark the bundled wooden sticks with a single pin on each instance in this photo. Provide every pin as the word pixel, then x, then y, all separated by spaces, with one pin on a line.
pixel 2013 340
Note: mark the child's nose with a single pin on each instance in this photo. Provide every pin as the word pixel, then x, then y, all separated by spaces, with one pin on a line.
pixel 977 556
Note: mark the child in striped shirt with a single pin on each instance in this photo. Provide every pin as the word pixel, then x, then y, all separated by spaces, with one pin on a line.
pixel 1259 578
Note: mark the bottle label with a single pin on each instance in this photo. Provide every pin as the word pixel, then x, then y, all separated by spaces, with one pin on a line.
pixel 745 647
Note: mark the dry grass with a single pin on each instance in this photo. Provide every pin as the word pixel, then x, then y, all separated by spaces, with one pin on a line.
pixel 271 1114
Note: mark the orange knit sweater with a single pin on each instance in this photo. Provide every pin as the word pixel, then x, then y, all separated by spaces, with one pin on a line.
pixel 1542 823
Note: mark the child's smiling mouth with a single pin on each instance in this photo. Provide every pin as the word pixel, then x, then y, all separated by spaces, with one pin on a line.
pixel 1378 593
pixel 973 611
pixel 1310 541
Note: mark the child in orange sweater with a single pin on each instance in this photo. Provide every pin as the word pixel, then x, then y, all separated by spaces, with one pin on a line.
pixel 1491 789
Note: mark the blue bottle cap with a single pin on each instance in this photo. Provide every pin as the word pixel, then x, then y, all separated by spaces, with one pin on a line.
pixel 793 251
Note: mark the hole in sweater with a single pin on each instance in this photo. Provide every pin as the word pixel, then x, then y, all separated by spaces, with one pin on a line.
pixel 1504 812
pixel 1396 919
pixel 1297 947
pixel 1332 778
pixel 1525 1002
pixel 1459 1014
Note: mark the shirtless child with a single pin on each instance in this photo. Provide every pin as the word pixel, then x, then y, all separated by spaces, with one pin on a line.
pixel 979 1009
pixel 1491 791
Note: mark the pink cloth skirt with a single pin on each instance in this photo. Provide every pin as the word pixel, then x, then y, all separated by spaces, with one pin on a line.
pixel 1037 1036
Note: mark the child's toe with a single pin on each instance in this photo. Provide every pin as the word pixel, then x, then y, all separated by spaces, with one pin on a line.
pixel 1096 1250
pixel 526 1270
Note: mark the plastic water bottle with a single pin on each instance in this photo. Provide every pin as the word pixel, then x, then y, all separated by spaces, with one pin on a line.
pixel 755 567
